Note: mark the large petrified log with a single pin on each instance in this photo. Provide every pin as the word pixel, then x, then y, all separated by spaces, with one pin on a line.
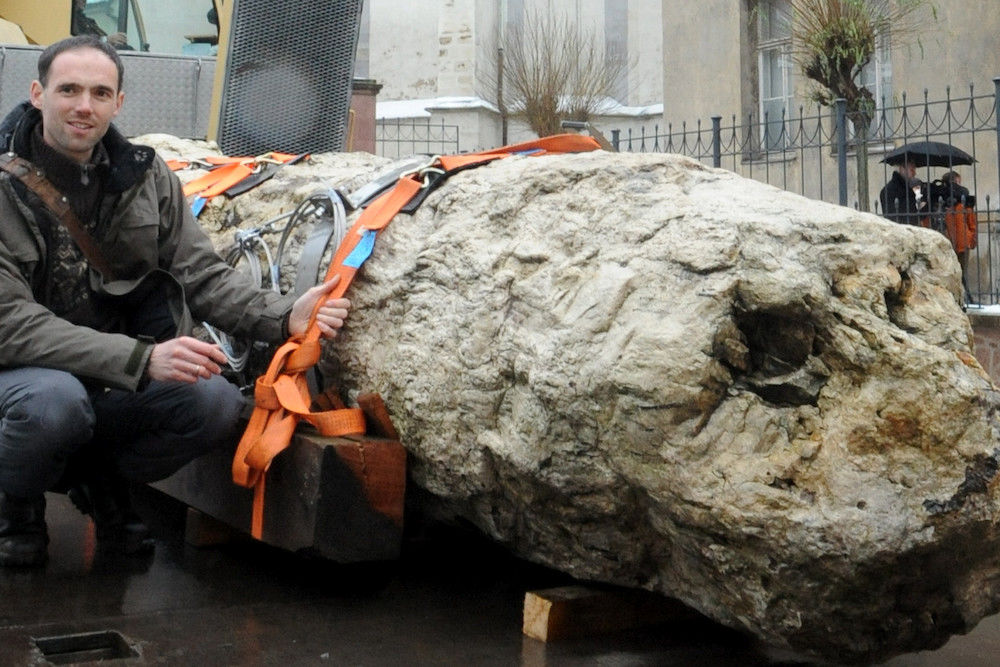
pixel 639 370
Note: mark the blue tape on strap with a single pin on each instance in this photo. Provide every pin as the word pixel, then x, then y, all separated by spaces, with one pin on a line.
pixel 362 250
pixel 197 205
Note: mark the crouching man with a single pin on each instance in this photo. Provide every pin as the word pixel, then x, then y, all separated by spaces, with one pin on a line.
pixel 100 385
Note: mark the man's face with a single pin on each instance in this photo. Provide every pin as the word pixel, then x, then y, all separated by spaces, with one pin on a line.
pixel 908 170
pixel 79 101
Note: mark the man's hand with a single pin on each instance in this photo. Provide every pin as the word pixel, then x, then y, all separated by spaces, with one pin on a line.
pixel 184 359
pixel 331 314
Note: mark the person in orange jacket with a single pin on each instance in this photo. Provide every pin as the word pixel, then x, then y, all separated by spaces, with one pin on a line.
pixel 958 207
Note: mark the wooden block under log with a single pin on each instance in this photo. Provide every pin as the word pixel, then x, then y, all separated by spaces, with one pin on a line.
pixel 572 612
pixel 338 498
pixel 201 530
pixel 377 416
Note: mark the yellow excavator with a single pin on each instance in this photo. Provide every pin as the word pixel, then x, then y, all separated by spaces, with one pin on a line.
pixel 281 73
pixel 180 27
pixel 177 27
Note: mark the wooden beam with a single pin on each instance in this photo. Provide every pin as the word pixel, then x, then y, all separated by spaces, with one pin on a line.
pixel 202 530
pixel 339 498
pixel 579 611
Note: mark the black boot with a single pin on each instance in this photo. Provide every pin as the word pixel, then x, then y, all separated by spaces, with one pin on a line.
pixel 24 539
pixel 108 501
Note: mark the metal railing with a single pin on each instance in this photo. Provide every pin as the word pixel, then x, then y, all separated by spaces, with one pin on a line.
pixel 396 138
pixel 813 155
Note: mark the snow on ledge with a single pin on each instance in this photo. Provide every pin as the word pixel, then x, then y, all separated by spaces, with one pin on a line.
pixel 422 108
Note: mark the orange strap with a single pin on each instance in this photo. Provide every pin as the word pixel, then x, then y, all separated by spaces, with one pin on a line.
pixel 281 394
pixel 231 171
pixel 272 156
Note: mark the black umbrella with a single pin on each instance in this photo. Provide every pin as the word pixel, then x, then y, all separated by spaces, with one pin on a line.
pixel 928 153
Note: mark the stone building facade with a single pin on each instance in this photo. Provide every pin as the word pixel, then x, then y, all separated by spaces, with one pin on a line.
pixel 436 61
pixel 732 58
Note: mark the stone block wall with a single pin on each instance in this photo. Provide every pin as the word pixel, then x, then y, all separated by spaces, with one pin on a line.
pixel 986 329
pixel 362 128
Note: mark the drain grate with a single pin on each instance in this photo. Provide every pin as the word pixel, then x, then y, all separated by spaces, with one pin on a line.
pixel 85 647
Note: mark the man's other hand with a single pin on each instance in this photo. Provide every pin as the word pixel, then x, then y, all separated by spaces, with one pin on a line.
pixel 185 359
pixel 330 316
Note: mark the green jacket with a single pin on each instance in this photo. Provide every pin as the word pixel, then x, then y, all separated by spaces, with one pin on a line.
pixel 145 230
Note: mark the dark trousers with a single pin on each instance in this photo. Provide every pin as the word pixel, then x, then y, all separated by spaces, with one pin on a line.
pixel 53 430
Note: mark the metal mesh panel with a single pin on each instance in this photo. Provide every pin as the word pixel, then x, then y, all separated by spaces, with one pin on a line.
pixel 170 94
pixel 19 67
pixel 287 85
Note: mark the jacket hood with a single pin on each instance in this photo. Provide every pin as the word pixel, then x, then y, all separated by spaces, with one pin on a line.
pixel 128 161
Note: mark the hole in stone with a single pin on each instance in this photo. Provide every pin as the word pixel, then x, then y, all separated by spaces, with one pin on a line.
pixel 781 367
pixel 778 343
pixel 786 484
pixel 896 300
pixel 85 647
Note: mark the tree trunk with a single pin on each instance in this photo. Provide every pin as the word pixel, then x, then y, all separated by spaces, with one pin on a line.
pixel 861 123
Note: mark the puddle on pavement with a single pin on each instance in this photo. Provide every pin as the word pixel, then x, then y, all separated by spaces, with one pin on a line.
pixel 452 599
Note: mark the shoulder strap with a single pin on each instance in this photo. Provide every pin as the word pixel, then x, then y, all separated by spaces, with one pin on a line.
pixel 35 180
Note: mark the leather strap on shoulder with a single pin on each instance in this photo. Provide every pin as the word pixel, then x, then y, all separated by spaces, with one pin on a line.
pixel 58 205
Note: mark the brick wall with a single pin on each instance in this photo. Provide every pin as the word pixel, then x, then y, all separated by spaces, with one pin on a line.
pixel 986 329
pixel 362 125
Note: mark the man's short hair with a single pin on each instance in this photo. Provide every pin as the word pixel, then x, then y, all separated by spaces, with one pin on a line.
pixel 78 42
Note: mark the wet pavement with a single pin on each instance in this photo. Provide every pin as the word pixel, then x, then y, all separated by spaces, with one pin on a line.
pixel 452 599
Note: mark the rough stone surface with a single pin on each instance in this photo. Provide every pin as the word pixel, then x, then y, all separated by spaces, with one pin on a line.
pixel 639 370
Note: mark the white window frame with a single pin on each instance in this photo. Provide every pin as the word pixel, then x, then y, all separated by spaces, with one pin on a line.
pixel 776 39
pixel 773 42
pixel 877 77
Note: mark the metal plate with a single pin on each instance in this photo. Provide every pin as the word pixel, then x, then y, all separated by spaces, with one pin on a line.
pixel 287 84
pixel 169 94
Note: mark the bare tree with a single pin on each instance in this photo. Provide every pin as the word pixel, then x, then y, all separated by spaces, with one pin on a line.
pixel 833 41
pixel 553 70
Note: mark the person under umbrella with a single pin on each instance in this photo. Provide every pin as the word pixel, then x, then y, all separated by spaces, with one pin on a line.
pixel 899 200
pixel 928 154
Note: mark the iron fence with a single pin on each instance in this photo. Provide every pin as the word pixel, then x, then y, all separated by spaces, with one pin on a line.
pixel 402 137
pixel 814 154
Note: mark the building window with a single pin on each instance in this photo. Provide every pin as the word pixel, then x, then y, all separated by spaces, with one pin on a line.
pixel 877 77
pixel 774 68
pixel 616 45
pixel 775 76
pixel 515 16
